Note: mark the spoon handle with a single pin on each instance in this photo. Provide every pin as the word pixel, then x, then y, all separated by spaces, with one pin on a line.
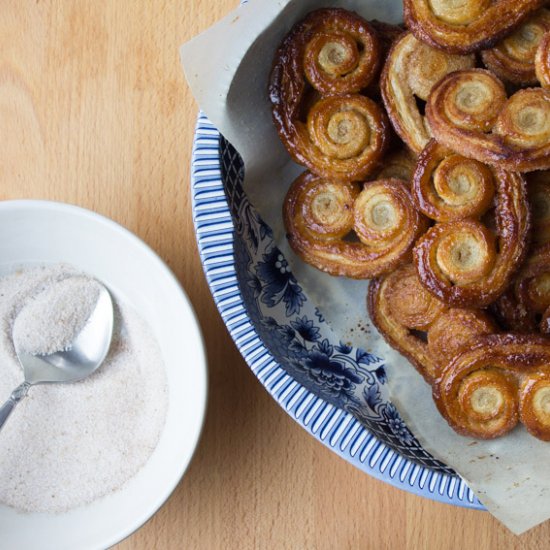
pixel 16 395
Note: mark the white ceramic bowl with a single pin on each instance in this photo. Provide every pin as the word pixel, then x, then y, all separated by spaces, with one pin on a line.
pixel 48 232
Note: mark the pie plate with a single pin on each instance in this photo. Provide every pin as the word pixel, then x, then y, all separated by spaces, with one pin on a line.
pixel 334 391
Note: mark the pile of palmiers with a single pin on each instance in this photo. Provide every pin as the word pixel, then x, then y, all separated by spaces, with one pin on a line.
pixel 427 151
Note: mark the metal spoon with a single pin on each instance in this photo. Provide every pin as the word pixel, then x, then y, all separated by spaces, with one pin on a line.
pixel 84 356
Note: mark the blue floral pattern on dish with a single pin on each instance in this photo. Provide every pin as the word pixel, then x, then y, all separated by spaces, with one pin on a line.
pixel 278 283
pixel 396 424
pixel 296 333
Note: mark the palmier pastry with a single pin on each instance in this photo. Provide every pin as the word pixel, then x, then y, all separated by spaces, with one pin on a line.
pixel 322 120
pixel 411 70
pixel 464 262
pixel 336 50
pixel 513 58
pixel 466 26
pixel 448 187
pixel 420 326
pixel 542 61
pixel 520 309
pixel 501 379
pixel 345 230
pixel 468 112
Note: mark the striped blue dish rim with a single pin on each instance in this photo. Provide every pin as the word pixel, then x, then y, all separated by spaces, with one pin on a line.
pixel 338 430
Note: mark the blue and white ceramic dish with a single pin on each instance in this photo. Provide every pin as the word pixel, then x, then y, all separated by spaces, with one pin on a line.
pixel 336 392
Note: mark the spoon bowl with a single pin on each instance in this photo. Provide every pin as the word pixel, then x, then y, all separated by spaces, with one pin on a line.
pixel 81 358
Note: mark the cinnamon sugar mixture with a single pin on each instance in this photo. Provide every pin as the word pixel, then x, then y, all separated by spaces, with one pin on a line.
pixel 67 445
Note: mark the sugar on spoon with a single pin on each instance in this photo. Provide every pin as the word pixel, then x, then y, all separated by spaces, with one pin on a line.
pixel 67 361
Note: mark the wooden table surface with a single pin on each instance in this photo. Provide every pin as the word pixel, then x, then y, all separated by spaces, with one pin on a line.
pixel 94 110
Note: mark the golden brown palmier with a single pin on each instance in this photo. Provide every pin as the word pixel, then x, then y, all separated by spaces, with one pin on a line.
pixel 343 137
pixel 542 61
pixel 513 58
pixel 322 120
pixel 448 187
pixel 320 216
pixel 467 26
pixel 468 111
pixel 411 70
pixel 501 379
pixel 335 49
pixel 466 264
pixel 420 326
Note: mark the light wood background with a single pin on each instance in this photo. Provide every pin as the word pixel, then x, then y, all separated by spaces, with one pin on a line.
pixel 94 111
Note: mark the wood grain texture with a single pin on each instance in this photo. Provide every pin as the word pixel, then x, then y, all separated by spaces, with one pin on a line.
pixel 94 111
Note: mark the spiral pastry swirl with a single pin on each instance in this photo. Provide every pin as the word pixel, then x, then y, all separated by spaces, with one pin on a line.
pixel 411 70
pixel 343 230
pixel 420 326
pixel 513 58
pixel 542 61
pixel 341 51
pixel 466 264
pixel 317 74
pixel 467 25
pixel 448 187
pixel 500 380
pixel 345 136
pixel 468 112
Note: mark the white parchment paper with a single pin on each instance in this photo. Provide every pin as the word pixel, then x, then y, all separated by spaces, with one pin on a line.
pixel 228 68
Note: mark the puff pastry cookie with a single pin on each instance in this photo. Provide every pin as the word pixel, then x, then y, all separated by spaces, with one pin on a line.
pixel 322 119
pixel 469 112
pixel 349 230
pixel 411 70
pixel 468 25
